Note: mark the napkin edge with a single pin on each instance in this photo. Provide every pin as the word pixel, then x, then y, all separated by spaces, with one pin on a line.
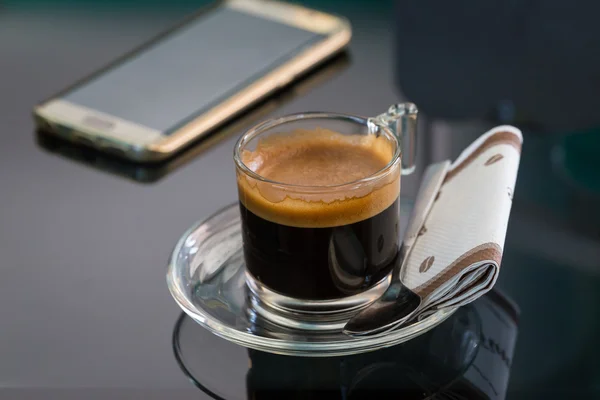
pixel 482 138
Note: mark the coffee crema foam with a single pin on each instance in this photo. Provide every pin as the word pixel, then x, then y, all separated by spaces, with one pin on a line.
pixel 319 158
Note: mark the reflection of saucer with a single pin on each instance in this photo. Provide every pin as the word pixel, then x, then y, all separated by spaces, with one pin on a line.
pixel 424 367
pixel 206 277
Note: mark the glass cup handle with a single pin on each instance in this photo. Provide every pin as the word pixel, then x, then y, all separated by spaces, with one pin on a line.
pixel 401 119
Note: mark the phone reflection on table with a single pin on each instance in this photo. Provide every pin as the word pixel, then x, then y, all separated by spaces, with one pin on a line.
pixel 151 173
pixel 467 356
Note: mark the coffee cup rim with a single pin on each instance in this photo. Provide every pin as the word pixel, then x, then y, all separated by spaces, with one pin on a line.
pixel 271 123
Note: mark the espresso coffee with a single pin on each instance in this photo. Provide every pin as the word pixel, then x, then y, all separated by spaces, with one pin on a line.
pixel 314 227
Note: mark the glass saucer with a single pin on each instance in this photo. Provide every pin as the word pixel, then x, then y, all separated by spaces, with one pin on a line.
pixel 206 277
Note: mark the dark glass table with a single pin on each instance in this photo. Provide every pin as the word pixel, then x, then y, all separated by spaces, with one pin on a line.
pixel 84 239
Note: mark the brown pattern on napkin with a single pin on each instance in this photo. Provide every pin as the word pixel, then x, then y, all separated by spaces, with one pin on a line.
pixel 426 264
pixel 502 137
pixel 487 251
pixel 493 159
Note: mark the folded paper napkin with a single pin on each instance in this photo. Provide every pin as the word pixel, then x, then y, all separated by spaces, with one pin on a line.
pixel 457 249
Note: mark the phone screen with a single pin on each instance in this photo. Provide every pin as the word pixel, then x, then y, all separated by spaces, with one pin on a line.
pixel 192 69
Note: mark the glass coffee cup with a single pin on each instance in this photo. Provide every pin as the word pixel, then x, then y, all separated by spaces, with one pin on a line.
pixel 319 200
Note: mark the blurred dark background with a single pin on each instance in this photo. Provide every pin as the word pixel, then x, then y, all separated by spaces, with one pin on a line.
pixel 83 296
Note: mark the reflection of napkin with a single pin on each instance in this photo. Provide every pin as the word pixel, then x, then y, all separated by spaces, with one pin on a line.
pixel 456 255
pixel 490 370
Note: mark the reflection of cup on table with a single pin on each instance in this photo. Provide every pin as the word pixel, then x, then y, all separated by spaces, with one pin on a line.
pixel 420 368
pixel 319 198
pixel 468 356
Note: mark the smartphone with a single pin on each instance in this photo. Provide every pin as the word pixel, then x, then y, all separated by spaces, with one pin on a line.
pixel 148 173
pixel 159 98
